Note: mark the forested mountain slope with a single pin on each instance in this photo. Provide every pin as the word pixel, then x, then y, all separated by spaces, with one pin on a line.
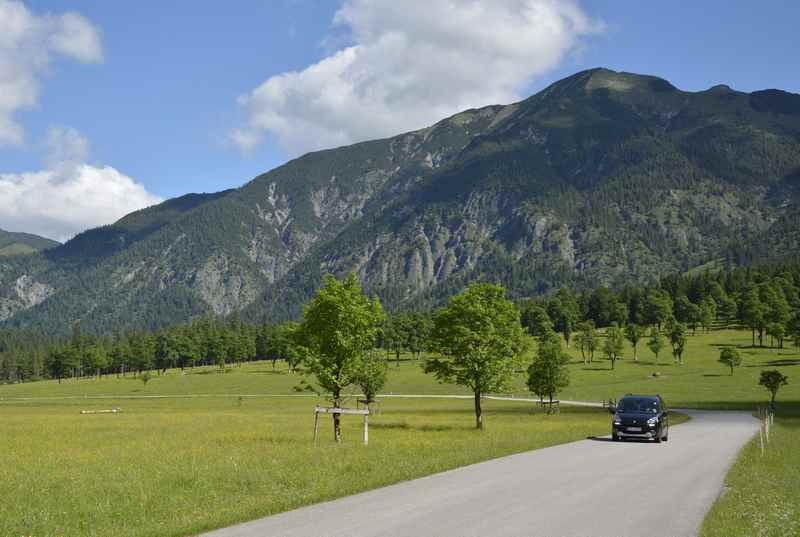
pixel 602 178
pixel 12 243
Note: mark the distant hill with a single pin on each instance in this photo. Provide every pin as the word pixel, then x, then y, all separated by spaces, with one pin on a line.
pixel 22 243
pixel 603 178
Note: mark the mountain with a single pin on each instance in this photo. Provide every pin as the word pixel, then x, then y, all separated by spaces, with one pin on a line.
pixel 22 243
pixel 601 178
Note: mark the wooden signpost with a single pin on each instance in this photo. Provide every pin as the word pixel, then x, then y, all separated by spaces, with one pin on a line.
pixel 323 410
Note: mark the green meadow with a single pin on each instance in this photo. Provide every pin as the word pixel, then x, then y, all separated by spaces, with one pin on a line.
pixel 198 449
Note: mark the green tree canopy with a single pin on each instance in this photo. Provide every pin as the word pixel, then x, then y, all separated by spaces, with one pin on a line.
pixel 613 345
pixel 548 373
pixel 481 341
pixel 730 357
pixel 340 325
pixel 772 380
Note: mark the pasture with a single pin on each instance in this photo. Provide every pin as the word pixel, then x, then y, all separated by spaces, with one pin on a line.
pixel 198 449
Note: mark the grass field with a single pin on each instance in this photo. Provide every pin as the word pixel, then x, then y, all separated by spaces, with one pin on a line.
pixel 180 466
pixel 762 496
pixel 200 449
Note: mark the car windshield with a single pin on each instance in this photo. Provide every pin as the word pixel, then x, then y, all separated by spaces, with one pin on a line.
pixel 645 406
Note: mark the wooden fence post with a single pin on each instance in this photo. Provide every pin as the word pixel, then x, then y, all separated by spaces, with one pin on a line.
pixel 316 423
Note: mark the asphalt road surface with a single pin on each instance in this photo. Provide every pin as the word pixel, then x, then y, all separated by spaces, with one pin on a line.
pixel 591 488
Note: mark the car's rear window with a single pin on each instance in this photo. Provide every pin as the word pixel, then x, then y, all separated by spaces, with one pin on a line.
pixel 636 404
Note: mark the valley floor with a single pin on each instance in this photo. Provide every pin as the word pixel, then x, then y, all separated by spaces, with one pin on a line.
pixel 196 450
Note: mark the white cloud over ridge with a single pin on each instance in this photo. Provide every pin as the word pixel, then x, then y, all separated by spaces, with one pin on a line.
pixel 27 43
pixel 69 196
pixel 411 63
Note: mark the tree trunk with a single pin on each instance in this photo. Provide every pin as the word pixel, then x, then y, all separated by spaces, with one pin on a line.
pixel 478 411
pixel 635 354
pixel 337 426
pixel 397 358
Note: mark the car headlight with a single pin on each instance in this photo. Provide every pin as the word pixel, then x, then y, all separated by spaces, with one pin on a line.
pixel 617 421
pixel 652 421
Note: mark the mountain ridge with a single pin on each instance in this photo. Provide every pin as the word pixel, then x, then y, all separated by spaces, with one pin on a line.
pixel 20 243
pixel 600 178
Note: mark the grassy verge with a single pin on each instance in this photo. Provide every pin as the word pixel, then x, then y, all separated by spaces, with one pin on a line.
pixel 180 466
pixel 762 497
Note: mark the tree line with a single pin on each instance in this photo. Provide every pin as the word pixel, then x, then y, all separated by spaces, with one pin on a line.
pixel 764 300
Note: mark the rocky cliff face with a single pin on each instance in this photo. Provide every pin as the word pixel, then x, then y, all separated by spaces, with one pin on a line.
pixel 602 178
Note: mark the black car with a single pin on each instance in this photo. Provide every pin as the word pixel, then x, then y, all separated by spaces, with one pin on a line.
pixel 640 416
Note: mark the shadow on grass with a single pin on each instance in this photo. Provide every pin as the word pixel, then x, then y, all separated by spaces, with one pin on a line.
pixel 402 426
pixel 773 363
pixel 715 375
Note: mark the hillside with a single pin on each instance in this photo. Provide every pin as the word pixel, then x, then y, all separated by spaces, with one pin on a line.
pixel 601 178
pixel 22 243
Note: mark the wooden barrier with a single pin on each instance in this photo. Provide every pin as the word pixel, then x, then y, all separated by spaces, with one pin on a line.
pixel 323 410
pixel 110 411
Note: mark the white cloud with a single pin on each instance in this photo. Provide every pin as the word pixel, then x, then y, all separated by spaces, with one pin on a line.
pixel 69 196
pixel 411 63
pixel 27 42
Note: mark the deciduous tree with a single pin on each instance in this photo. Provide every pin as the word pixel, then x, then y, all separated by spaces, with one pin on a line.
pixel 481 341
pixel 730 357
pixel 548 373
pixel 772 380
pixel 340 326
pixel 614 344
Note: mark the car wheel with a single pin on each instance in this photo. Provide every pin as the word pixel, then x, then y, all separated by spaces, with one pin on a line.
pixel 614 436
pixel 658 438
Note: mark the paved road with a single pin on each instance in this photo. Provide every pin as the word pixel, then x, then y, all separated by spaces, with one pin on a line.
pixel 591 488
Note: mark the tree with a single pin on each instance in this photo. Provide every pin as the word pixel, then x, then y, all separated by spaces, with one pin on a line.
pixel 633 333
pixel 145 377
pixel 481 341
pixel 613 345
pixel 418 336
pixel 563 310
pixel 793 330
pixel 370 375
pixel 657 307
pixel 218 349
pixel 753 314
pixel 535 319
pixel 586 340
pixel 730 357
pixel 165 352
pixel 394 335
pixel 728 310
pixel 776 331
pixel 677 338
pixel 772 380
pixel 548 373
pixel 656 342
pixel 340 325
pixel 62 361
pixel 708 312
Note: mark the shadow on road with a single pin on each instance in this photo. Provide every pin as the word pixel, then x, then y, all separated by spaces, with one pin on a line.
pixel 627 440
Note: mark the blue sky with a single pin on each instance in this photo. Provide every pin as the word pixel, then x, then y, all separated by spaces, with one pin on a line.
pixel 154 106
